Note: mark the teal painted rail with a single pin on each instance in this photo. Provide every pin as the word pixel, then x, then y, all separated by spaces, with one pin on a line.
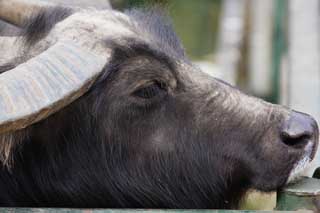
pixel 304 194
pixel 48 210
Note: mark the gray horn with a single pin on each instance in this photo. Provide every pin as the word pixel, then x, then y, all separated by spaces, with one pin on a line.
pixel 46 83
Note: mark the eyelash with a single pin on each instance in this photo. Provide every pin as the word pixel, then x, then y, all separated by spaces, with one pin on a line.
pixel 150 91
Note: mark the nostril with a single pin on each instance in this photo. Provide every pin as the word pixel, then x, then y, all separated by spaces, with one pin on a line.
pixel 297 141
pixel 298 130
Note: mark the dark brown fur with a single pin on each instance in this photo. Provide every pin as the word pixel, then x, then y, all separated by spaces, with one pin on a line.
pixel 153 132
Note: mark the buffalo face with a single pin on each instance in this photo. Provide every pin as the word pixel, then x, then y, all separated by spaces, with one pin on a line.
pixel 144 129
pixel 178 132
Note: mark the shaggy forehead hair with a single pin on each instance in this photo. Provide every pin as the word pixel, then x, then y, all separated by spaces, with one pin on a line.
pixel 154 23
pixel 150 24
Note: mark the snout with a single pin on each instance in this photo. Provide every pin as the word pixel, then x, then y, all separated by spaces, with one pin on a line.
pixel 300 131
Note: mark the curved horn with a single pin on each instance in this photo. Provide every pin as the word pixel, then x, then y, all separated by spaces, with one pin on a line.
pixel 18 11
pixel 45 84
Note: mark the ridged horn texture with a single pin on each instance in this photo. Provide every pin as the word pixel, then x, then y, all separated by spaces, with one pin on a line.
pixel 18 11
pixel 45 84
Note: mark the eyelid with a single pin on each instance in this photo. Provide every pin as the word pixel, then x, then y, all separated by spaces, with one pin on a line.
pixel 144 84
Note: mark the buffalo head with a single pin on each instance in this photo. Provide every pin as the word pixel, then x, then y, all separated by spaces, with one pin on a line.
pixel 103 109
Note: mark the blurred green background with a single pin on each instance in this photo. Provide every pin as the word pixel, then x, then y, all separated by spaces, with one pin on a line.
pixel 195 23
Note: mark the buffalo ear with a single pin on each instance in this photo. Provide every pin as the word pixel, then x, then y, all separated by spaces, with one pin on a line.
pixel 17 12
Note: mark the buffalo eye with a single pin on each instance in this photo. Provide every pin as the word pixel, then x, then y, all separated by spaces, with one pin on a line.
pixel 150 91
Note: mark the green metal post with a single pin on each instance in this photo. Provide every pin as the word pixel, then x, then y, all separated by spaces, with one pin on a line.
pixel 279 45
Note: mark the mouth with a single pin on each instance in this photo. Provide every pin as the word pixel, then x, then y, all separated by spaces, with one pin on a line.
pixel 303 163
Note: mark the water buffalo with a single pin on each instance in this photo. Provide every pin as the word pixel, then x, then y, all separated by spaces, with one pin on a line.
pixel 104 109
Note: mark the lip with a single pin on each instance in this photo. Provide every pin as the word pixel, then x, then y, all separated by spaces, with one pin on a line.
pixel 299 167
pixel 302 164
pixel 314 147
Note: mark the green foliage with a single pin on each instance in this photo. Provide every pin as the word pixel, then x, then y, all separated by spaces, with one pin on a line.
pixel 196 22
